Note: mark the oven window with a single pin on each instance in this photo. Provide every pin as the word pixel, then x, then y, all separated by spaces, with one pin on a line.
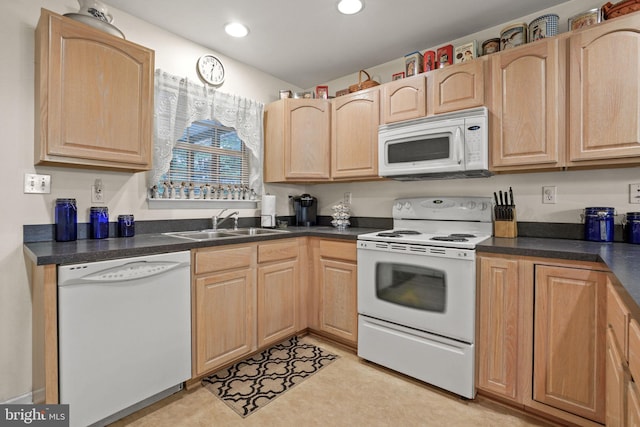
pixel 433 148
pixel 412 286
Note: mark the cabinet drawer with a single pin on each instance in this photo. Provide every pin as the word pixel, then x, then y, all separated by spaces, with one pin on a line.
pixel 339 250
pixel 634 349
pixel 284 249
pixel 618 320
pixel 212 260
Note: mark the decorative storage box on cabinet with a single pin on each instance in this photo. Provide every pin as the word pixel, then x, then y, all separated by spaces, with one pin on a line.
pixel 94 97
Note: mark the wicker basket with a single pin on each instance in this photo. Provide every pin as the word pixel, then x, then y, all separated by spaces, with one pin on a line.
pixel 610 11
pixel 363 84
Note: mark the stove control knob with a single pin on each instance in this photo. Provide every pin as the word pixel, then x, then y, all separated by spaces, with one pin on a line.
pixel 407 205
pixel 397 207
pixel 471 205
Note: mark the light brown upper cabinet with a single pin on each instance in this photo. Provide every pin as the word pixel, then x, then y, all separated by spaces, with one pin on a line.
pixel 354 135
pixel 297 140
pixel 604 100
pixel 404 99
pixel 527 107
pixel 457 87
pixel 93 97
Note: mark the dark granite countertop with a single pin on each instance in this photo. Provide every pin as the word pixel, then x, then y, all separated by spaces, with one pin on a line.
pixel 623 259
pixel 90 250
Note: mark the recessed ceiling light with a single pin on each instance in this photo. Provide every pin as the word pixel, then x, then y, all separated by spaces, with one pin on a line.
pixel 236 29
pixel 349 7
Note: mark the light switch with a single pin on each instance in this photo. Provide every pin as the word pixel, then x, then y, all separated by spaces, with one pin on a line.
pixel 37 184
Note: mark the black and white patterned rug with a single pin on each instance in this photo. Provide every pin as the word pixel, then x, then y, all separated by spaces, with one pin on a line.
pixel 251 384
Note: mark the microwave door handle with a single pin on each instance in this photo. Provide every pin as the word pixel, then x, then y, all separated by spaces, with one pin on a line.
pixel 458 146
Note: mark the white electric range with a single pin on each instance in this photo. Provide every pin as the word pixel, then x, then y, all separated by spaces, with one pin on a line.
pixel 417 290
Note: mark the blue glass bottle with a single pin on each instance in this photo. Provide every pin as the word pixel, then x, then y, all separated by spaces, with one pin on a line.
pixel 99 222
pixel 126 226
pixel 66 217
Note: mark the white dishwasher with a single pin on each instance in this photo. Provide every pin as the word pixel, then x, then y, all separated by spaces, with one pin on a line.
pixel 124 334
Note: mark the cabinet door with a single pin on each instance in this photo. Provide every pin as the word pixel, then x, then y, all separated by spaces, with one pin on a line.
pixel 224 318
pixel 404 99
pixel 354 135
pixel 94 94
pixel 499 317
pixel 457 87
pixel 604 101
pixel 617 379
pixel 569 340
pixel 338 299
pixel 528 105
pixel 278 288
pixel 297 140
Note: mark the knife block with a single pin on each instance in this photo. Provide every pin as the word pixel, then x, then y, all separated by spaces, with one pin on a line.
pixel 506 228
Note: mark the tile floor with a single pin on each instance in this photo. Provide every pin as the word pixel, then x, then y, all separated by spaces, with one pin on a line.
pixel 349 392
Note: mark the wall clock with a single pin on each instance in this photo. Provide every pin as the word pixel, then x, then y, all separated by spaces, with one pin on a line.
pixel 210 69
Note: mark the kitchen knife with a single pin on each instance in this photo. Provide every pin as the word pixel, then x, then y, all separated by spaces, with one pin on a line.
pixel 513 203
pixel 501 199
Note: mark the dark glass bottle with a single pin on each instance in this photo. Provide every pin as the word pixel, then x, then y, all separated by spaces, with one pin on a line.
pixel 99 222
pixel 126 226
pixel 66 217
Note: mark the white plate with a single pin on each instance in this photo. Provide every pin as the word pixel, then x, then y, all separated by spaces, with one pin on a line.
pixel 96 23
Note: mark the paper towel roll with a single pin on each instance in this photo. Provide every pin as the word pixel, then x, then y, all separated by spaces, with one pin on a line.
pixel 268 210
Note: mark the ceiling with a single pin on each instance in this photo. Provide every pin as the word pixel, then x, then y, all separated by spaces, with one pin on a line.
pixel 308 42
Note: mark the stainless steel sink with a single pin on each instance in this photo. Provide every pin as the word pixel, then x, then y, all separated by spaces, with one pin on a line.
pixel 202 235
pixel 255 231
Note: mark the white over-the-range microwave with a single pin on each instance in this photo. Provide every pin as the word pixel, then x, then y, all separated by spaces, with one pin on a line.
pixel 451 145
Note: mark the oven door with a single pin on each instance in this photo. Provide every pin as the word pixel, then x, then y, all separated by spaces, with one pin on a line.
pixel 433 290
pixel 422 148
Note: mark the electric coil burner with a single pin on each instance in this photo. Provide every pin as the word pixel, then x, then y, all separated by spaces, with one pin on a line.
pixel 416 290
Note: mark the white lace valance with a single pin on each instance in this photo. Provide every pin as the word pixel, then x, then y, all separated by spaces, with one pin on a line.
pixel 180 102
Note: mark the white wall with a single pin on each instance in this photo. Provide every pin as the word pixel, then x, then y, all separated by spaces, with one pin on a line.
pixel 125 192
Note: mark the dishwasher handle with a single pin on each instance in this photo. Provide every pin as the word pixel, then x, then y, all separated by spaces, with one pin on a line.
pixel 124 273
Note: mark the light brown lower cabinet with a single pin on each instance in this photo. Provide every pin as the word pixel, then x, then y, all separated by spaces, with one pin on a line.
pixel 278 291
pixel 334 311
pixel 541 336
pixel 245 297
pixel 223 308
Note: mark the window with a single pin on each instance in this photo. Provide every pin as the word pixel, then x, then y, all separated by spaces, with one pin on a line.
pixel 208 153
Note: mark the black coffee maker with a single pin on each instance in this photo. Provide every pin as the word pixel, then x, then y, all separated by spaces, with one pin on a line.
pixel 306 209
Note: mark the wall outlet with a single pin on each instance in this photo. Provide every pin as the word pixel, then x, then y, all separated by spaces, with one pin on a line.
pixel 97 192
pixel 549 194
pixel 37 184
pixel 634 193
pixel 347 197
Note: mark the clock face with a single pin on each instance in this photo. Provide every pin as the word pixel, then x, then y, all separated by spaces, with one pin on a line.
pixel 210 69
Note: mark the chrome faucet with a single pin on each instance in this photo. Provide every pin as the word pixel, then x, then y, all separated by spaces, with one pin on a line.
pixel 216 221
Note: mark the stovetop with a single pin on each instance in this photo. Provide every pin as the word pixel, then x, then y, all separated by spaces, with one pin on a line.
pixel 414 237
pixel 454 222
